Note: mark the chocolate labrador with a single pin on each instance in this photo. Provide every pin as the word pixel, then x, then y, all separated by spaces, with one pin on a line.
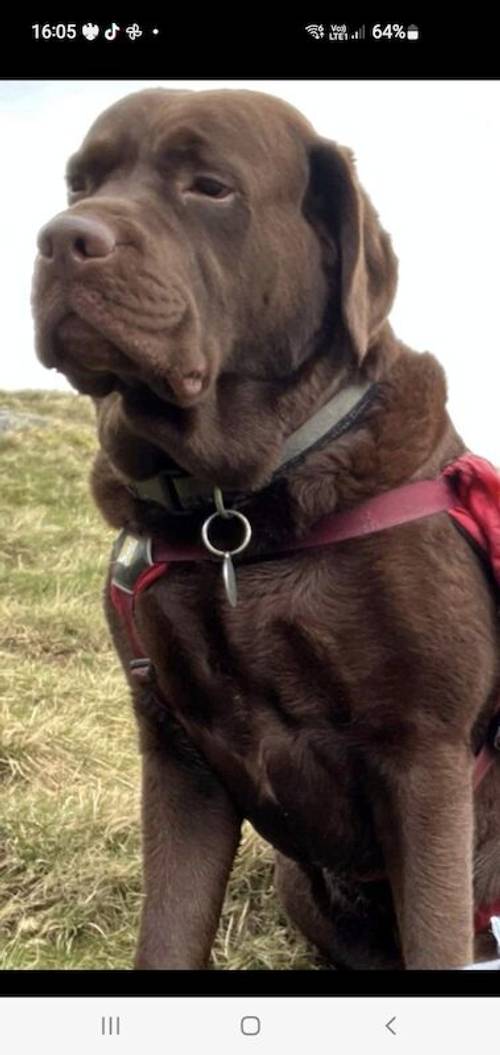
pixel 220 286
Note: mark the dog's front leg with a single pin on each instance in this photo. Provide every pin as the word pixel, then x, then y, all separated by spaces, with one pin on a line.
pixel 190 837
pixel 428 845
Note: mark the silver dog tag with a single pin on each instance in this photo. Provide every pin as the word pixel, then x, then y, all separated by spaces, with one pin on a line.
pixel 229 579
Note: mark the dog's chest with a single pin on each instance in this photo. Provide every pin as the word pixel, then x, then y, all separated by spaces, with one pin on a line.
pixel 257 690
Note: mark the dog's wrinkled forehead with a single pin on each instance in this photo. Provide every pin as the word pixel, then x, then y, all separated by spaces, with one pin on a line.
pixel 255 128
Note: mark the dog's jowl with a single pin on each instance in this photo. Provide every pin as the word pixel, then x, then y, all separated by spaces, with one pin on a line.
pixel 219 286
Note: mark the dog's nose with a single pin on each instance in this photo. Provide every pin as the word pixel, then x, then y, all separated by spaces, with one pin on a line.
pixel 75 239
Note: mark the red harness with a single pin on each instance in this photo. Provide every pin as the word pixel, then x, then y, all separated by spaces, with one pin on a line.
pixel 468 490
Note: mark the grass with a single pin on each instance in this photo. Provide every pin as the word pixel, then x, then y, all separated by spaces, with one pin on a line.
pixel 70 869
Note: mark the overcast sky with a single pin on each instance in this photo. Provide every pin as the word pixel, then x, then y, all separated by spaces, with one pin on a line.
pixel 428 154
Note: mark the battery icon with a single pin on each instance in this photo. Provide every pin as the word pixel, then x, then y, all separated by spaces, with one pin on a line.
pixel 412 33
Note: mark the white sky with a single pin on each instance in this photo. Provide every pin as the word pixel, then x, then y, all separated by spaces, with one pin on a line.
pixel 428 154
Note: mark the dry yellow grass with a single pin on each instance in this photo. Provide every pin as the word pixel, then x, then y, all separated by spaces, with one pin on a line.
pixel 70 885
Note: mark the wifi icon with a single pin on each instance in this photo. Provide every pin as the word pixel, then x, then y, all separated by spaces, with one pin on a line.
pixel 316 31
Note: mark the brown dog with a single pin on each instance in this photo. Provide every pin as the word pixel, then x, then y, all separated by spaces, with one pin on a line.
pixel 218 277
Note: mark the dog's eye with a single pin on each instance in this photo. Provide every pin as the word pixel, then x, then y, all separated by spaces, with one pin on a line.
pixel 210 187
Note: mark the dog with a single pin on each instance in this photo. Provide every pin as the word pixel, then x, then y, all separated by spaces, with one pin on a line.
pixel 219 279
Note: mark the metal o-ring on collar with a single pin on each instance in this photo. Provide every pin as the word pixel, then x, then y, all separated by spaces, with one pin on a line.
pixel 228 576
pixel 225 552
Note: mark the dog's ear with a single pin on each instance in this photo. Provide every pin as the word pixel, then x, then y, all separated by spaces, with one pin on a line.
pixel 345 218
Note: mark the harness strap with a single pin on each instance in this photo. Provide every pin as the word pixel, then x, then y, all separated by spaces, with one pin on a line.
pixel 390 509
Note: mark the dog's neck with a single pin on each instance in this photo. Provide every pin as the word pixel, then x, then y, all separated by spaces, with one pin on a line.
pixel 390 442
pixel 180 493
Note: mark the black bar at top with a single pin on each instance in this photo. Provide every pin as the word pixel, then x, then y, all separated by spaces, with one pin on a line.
pixel 255 46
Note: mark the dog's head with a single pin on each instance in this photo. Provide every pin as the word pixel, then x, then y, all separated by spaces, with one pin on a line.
pixel 208 233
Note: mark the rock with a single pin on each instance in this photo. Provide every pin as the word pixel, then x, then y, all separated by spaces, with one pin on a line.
pixel 12 419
